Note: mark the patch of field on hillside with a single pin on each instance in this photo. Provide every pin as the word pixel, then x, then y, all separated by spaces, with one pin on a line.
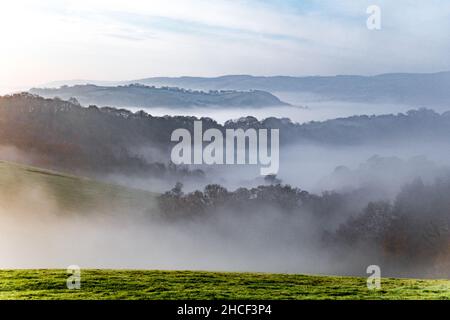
pixel 71 193
pixel 126 284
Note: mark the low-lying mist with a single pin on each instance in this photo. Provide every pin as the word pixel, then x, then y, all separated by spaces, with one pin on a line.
pixel 37 232
pixel 313 234
pixel 319 167
pixel 333 208
pixel 299 112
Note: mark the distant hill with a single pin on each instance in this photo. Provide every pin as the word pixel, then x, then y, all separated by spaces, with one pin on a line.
pixel 135 95
pixel 415 89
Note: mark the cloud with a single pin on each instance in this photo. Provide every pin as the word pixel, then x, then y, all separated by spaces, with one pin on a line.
pixel 115 40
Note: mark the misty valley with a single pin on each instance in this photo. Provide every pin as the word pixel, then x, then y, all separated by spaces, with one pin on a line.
pixel 224 158
pixel 98 185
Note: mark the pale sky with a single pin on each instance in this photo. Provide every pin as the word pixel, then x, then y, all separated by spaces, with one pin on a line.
pixel 43 41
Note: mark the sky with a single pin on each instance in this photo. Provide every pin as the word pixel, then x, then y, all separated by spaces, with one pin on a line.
pixel 44 41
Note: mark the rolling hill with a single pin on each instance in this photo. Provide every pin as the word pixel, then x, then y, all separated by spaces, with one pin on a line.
pixel 65 136
pixel 414 89
pixel 141 96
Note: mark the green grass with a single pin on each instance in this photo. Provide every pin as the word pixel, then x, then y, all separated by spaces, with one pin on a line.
pixel 127 284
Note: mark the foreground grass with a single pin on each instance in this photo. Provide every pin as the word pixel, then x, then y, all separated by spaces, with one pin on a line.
pixel 121 284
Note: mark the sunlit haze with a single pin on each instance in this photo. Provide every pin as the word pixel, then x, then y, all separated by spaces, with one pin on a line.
pixel 49 40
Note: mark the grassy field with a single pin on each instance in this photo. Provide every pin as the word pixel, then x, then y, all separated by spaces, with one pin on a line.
pixel 115 284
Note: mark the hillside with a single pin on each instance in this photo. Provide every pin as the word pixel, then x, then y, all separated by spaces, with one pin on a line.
pixel 195 285
pixel 63 135
pixel 141 96
pixel 71 193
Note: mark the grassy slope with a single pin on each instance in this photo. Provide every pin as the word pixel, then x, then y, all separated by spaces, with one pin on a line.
pixel 72 193
pixel 111 284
